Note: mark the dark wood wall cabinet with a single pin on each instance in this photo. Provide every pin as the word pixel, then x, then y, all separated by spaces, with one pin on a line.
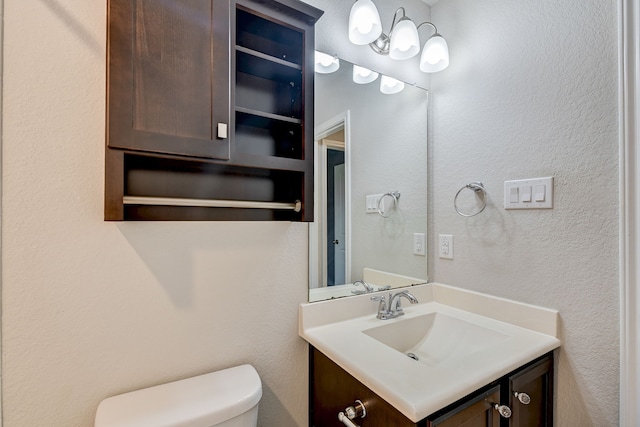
pixel 210 110
pixel 523 398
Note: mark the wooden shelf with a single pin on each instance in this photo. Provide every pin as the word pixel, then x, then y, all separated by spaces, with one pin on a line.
pixel 269 116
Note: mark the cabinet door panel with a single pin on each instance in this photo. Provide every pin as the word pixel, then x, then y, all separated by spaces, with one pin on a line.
pixel 168 76
pixel 536 382
pixel 476 412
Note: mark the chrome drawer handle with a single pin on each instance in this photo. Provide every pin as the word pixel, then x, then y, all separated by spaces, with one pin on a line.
pixel 503 410
pixel 522 397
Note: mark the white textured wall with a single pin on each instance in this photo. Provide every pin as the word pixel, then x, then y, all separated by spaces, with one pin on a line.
pixel 92 309
pixel 532 91
pixel 388 153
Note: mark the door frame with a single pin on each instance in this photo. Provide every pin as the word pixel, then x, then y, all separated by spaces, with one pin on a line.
pixel 629 130
pixel 317 256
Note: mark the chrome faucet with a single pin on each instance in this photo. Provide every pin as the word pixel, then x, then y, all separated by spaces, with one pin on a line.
pixel 367 287
pixel 392 308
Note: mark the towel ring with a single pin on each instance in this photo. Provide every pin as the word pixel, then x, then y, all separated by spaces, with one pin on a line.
pixel 395 195
pixel 477 188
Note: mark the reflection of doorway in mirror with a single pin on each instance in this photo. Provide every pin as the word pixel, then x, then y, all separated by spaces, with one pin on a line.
pixel 335 214
pixel 330 233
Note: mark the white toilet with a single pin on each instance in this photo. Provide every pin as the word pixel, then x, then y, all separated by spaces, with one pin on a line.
pixel 227 398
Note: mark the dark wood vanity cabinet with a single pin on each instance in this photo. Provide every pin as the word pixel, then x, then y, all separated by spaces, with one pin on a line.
pixel 332 389
pixel 209 100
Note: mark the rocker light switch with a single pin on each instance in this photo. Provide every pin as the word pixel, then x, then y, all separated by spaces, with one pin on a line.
pixel 526 193
pixel 513 195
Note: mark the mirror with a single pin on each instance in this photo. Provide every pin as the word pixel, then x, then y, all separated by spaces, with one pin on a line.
pixel 371 152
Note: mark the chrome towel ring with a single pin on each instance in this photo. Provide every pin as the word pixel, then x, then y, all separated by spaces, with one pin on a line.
pixel 479 191
pixel 395 195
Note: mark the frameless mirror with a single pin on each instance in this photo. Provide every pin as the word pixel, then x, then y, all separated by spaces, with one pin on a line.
pixel 371 186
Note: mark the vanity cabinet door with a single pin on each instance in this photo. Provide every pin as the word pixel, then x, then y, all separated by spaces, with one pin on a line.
pixel 476 411
pixel 168 76
pixel 333 389
pixel 533 384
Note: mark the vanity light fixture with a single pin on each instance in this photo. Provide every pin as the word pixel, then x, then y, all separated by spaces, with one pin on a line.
pixel 389 85
pixel 325 63
pixel 435 55
pixel 363 75
pixel 364 23
pixel 402 42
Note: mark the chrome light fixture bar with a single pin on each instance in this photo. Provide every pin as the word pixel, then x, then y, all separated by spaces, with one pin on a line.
pixel 402 42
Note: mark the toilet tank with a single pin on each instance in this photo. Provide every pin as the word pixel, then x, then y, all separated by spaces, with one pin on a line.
pixel 227 398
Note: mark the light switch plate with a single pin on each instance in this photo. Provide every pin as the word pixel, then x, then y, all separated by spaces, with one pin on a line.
pixel 533 193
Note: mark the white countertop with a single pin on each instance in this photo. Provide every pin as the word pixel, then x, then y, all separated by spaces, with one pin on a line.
pixel 524 332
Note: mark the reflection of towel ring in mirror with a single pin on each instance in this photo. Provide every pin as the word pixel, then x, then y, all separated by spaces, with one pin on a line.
pixel 479 190
pixel 395 195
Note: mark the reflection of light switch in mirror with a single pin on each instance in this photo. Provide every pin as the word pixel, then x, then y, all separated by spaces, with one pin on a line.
pixel 419 243
pixel 371 205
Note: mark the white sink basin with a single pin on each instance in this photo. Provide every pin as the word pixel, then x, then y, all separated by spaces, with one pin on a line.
pixel 462 340
pixel 435 338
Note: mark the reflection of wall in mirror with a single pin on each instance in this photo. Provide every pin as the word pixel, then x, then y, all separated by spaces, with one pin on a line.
pixel 388 153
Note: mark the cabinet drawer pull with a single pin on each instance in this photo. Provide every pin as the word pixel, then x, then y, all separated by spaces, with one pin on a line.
pixel 522 397
pixel 503 410
pixel 356 410
pixel 346 421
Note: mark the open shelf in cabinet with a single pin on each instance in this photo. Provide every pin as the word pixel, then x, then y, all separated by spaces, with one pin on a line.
pixel 170 178
pixel 275 39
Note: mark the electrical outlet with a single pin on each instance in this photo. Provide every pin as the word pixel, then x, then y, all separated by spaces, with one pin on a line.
pixel 445 247
pixel 419 244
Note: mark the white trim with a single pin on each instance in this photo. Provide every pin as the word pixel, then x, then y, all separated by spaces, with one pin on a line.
pixel 340 121
pixel 629 104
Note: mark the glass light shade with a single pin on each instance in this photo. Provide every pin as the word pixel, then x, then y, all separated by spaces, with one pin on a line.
pixel 435 55
pixel 363 75
pixel 405 42
pixel 364 23
pixel 325 63
pixel 389 85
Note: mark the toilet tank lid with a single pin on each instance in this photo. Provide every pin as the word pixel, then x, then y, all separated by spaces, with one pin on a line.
pixel 200 401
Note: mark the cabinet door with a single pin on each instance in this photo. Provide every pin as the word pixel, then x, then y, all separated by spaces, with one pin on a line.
pixel 333 389
pixel 476 411
pixel 536 381
pixel 168 76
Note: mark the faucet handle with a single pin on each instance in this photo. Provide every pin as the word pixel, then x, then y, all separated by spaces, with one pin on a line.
pixel 383 311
